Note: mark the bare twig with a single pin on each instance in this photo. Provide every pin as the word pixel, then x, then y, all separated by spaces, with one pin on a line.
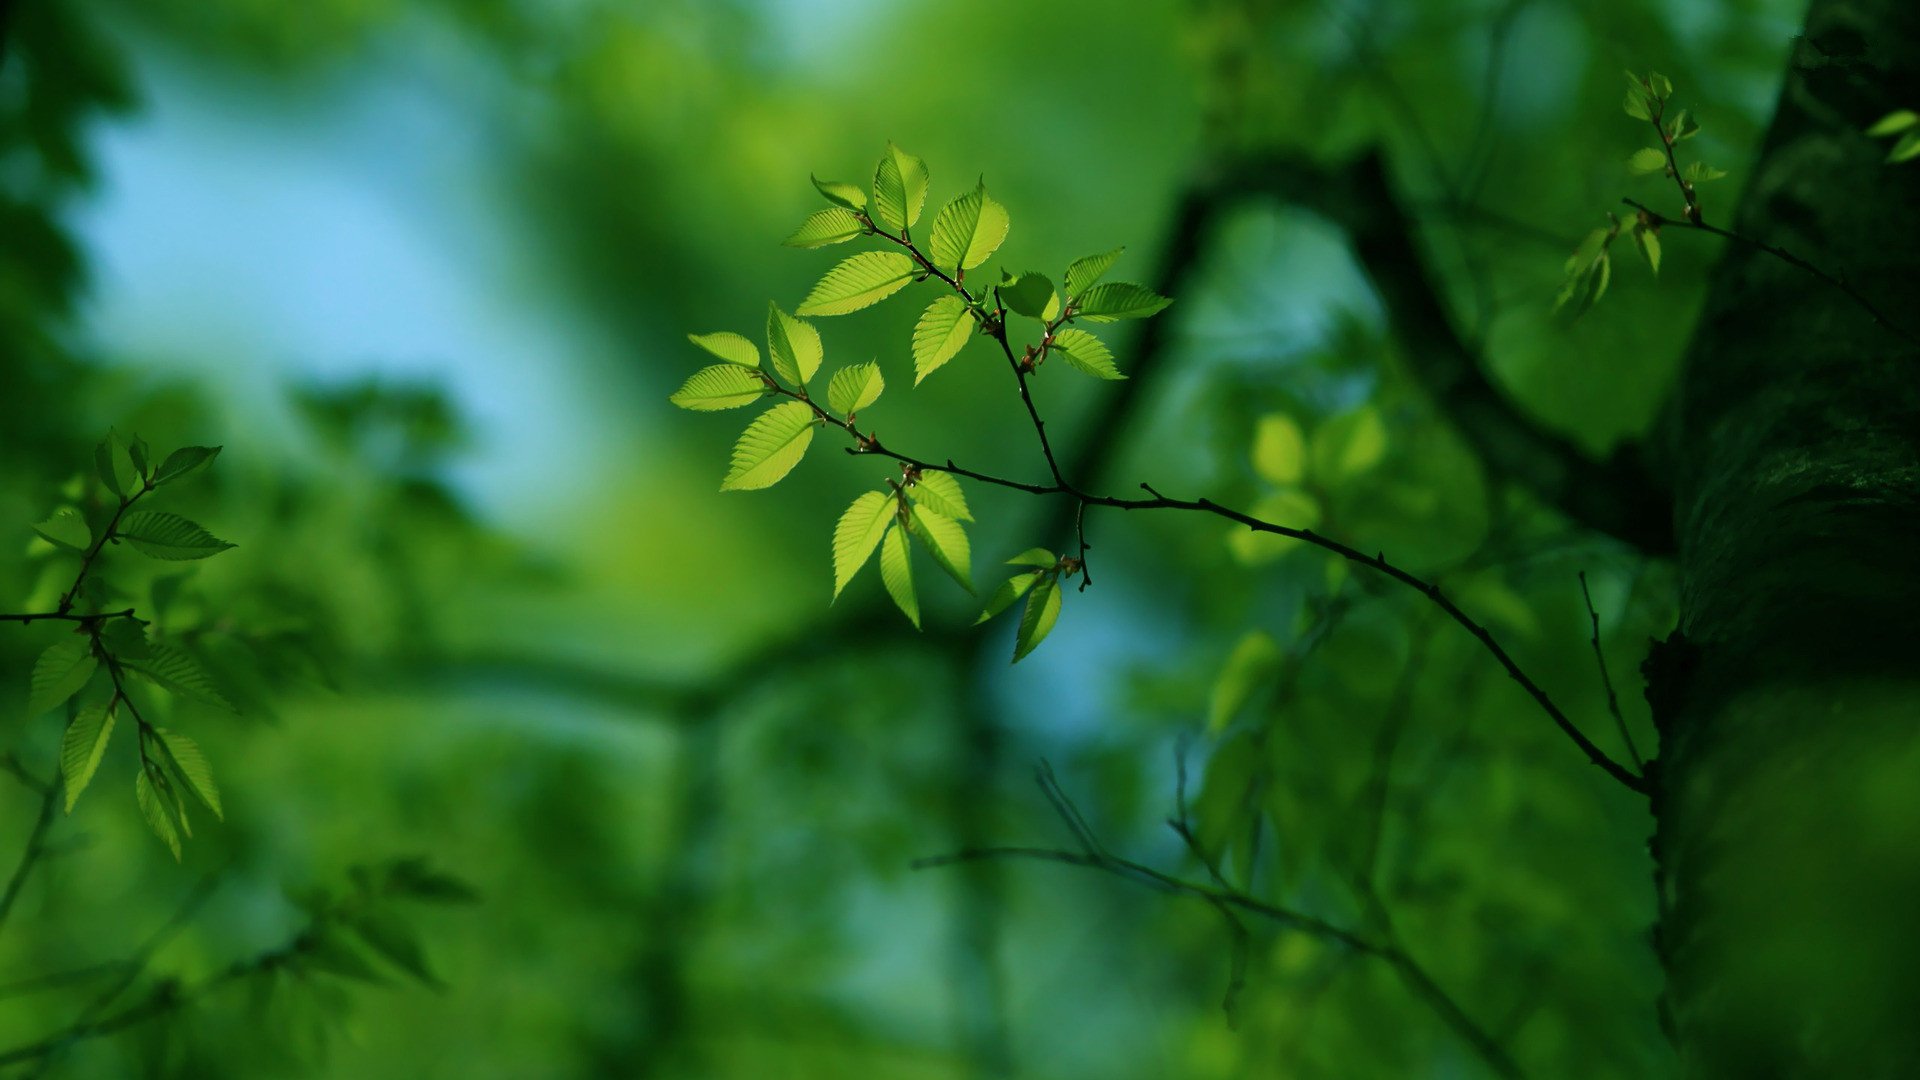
pixel 1606 679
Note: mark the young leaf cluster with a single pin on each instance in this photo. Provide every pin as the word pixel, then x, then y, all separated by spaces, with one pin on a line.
pixel 1903 127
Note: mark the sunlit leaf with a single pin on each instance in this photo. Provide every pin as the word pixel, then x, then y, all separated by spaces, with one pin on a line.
pixel 1083 272
pixel 1120 300
pixel 1894 123
pixel 946 541
pixel 899 188
pixel 834 225
pixel 1038 617
pixel 941 491
pixel 729 346
pixel 859 281
pixel 770 447
pixel 1279 449
pixel 59 673
pixel 162 535
pixel 944 328
pixel 896 572
pixel 1648 241
pixel 1636 103
pixel 854 387
pixel 793 346
pixel 83 745
pixel 1647 160
pixel 968 230
pixel 849 196
pixel 1010 590
pixel 1348 445
pixel 1086 353
pixel 857 533
pixel 1040 557
pixel 721 386
pixel 1700 172
pixel 1906 149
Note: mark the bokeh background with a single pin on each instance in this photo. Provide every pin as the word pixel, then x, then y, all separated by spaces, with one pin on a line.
pixel 426 270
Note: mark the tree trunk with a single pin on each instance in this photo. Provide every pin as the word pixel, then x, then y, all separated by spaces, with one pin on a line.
pixel 1788 809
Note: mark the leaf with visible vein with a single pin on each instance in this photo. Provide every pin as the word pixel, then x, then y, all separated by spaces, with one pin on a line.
pixel 1039 557
pixel 1084 352
pixel 841 193
pixel 1038 617
pixel 161 535
pixel 968 230
pixel 899 188
pixel 896 572
pixel 59 673
pixel 729 346
pixel 859 281
pixel 941 491
pixel 834 225
pixel 857 533
pixel 1084 272
pixel 793 345
pixel 1120 300
pixel 944 329
pixel 178 673
pixel 854 387
pixel 66 528
pixel 183 753
pixel 770 447
pixel 946 541
pixel 183 462
pixel 1010 590
pixel 721 386
pixel 84 743
pixel 159 815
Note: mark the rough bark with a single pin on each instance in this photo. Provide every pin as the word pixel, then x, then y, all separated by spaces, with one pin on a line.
pixel 1788 809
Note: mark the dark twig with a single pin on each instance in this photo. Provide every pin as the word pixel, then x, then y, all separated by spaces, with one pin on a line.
pixel 1606 679
pixel 36 843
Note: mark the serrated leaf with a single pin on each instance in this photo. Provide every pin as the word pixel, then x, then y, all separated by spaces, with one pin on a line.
pixel 66 528
pixel 793 346
pixel 968 230
pixel 834 225
pixel 899 188
pixel 1894 123
pixel 1010 590
pixel 1253 659
pixel 1084 352
pixel 896 572
pixel 59 673
pixel 83 745
pixel 941 492
pixel 943 330
pixel 1040 557
pixel 1120 300
pixel 1906 149
pixel 859 281
pixel 1083 272
pixel 1028 294
pixel 729 346
pixel 178 673
pixel 1700 172
pixel 157 809
pixel 1647 160
pixel 1648 242
pixel 770 447
pixel 721 386
pixel 1038 617
pixel 857 533
pixel 184 754
pixel 1279 449
pixel 839 192
pixel 946 541
pixel 167 536
pixel 184 461
pixel 854 387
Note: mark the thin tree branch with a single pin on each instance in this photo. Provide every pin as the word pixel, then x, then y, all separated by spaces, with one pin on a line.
pixel 35 847
pixel 1606 679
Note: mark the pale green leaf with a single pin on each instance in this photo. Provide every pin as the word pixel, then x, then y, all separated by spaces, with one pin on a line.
pixel 179 673
pixel 1010 590
pixel 899 188
pixel 1661 86
pixel 1028 294
pixel 1253 660
pixel 83 746
pixel 944 328
pixel 1648 242
pixel 59 673
pixel 1906 149
pixel 946 541
pixel 1040 557
pixel 793 346
pixel 896 572
pixel 1894 123
pixel 1636 103
pixel 849 196
pixel 834 225
pixel 1647 160
pixel 1120 300
pixel 1279 449
pixel 157 809
pixel 66 528
pixel 1038 617
pixel 169 536
pixel 1291 507
pixel 721 386
pixel 184 754
pixel 184 461
pixel 968 230
pixel 770 447
pixel 857 533
pixel 854 387
pixel 940 491
pixel 859 281
pixel 1700 172
pixel 1084 352
pixel 1082 273
pixel 729 346
pixel 1348 445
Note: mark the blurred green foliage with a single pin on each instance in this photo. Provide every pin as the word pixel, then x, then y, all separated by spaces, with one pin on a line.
pixel 684 789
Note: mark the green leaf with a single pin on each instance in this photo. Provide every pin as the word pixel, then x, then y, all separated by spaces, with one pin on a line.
pixel 944 329
pixel 899 188
pixel 721 386
pixel 191 765
pixel 1348 445
pixel 1906 149
pixel 859 281
pixel 1038 617
pixel 83 745
pixel 731 347
pixel 968 230
pixel 1661 86
pixel 1288 506
pixel 1894 123
pixel 1082 273
pixel 1647 160
pixel 1636 103
pixel 103 462
pixel 1010 590
pixel 330 951
pixel 1648 242
pixel 941 492
pixel 66 528
pixel 793 346
pixel 1279 449
pixel 770 447
pixel 395 941
pixel 1120 300
pixel 156 808
pixel 841 193
pixel 1700 172
pixel 834 225
pixel 1253 660
pixel 161 535
pixel 178 673
pixel 126 639
pixel 857 533
pixel 854 387
pixel 1084 352
pixel 1040 557
pixel 59 673
pixel 1029 294
pixel 896 572
pixel 137 452
pixel 1682 127
pixel 184 461
pixel 946 540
